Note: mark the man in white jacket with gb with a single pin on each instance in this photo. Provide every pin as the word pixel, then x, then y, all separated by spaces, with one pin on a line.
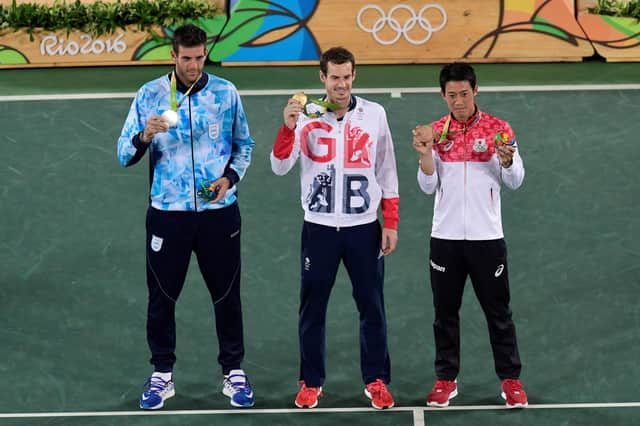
pixel 347 170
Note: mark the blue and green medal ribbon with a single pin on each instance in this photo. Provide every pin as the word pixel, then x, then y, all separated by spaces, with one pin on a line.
pixel 173 95
pixel 445 132
pixel 174 91
pixel 306 101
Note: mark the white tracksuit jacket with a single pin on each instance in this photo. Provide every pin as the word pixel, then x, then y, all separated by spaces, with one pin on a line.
pixel 346 166
pixel 468 177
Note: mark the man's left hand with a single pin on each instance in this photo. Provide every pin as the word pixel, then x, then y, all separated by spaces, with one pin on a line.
pixel 505 153
pixel 221 186
pixel 389 240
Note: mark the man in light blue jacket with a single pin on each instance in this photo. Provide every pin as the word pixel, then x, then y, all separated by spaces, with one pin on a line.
pixel 193 125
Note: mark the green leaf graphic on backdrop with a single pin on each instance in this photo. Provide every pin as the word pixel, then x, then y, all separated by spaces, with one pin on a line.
pixel 628 26
pixel 246 18
pixel 161 52
pixel 212 26
pixel 153 49
pixel 159 48
pixel 11 56
pixel 544 26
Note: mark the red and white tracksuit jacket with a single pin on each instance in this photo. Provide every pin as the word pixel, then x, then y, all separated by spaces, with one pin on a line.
pixel 347 167
pixel 468 177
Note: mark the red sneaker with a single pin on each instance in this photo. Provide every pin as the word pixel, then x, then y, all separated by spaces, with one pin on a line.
pixel 442 392
pixel 308 397
pixel 513 393
pixel 379 395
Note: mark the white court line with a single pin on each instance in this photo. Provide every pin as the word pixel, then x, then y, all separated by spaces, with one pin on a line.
pixel 394 91
pixel 418 417
pixel 416 410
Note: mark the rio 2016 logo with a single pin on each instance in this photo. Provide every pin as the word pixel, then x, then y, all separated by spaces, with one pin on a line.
pixel 52 45
pixel 392 20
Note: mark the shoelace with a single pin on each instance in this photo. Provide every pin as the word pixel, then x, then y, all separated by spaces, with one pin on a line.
pixel 156 385
pixel 441 386
pixel 239 386
pixel 308 393
pixel 376 387
pixel 513 385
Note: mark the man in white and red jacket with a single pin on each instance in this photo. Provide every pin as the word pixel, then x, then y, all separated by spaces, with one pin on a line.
pixel 465 157
pixel 347 170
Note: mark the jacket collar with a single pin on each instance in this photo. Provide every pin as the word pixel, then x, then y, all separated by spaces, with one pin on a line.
pixel 471 121
pixel 200 84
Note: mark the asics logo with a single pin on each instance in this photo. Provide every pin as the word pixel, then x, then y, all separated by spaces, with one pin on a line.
pixel 499 270
pixel 392 19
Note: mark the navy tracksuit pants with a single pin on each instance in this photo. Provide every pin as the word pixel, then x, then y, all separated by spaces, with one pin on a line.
pixel 451 261
pixel 358 247
pixel 214 236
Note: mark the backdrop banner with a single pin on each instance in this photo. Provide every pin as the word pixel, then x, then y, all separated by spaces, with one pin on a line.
pixel 258 32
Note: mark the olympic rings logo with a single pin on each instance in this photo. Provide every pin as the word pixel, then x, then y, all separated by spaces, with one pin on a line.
pixel 402 30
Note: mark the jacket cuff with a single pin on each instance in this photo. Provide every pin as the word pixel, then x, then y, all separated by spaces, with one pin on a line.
pixel 137 142
pixel 390 212
pixel 284 143
pixel 233 177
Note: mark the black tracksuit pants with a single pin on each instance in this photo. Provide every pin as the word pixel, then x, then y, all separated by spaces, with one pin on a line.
pixel 485 262
pixel 214 236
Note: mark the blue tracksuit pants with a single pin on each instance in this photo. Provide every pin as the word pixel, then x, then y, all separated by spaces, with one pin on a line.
pixel 322 250
pixel 214 236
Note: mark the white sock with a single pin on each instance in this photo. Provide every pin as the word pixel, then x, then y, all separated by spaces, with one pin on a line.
pixel 164 376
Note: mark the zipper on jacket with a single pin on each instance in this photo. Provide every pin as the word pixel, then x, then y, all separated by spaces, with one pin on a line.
pixel 193 162
pixel 464 153
pixel 339 160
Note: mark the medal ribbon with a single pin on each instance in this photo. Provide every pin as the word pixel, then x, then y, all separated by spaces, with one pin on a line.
pixel 445 131
pixel 174 93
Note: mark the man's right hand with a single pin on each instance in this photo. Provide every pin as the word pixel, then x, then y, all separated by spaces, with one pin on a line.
pixel 423 144
pixel 155 124
pixel 292 112
pixel 423 139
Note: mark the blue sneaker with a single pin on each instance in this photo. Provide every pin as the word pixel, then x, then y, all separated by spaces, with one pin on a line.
pixel 237 387
pixel 156 391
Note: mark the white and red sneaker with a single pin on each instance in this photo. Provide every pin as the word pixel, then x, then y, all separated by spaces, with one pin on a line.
pixel 379 395
pixel 308 396
pixel 514 394
pixel 442 392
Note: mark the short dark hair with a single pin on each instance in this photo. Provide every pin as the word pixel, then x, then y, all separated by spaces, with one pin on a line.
pixel 337 55
pixel 457 71
pixel 188 36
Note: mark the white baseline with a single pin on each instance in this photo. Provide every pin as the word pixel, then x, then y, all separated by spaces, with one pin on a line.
pixel 395 92
pixel 315 410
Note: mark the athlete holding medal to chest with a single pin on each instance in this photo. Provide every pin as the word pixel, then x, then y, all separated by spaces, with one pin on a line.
pixel 194 127
pixel 465 158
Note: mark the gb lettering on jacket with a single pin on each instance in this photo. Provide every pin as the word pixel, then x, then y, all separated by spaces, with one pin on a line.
pixel 343 166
